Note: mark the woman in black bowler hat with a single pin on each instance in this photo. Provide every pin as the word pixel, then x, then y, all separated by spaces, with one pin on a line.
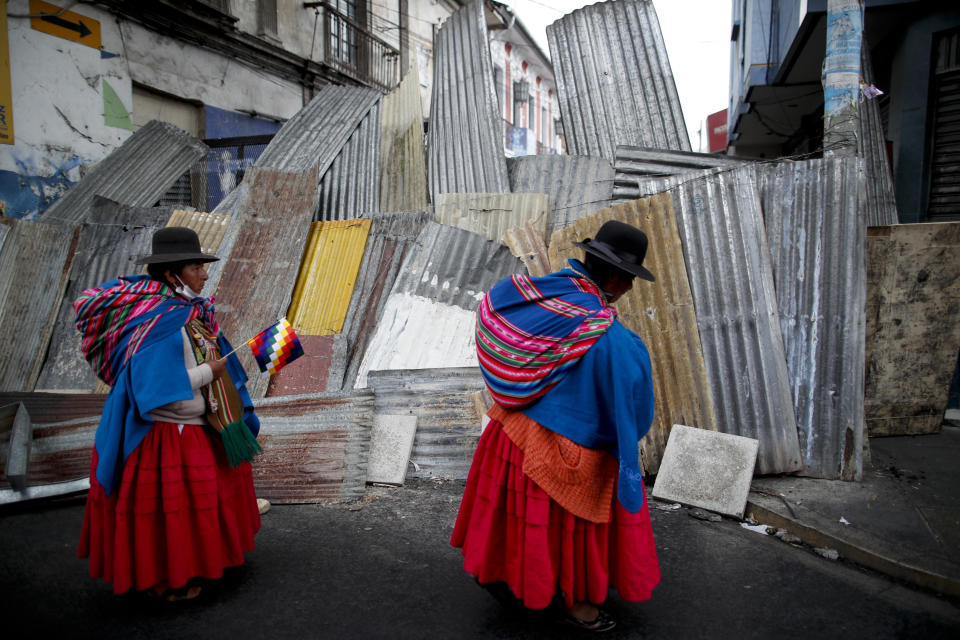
pixel 554 511
pixel 171 499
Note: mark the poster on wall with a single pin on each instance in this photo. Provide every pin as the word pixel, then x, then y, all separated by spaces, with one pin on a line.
pixel 6 94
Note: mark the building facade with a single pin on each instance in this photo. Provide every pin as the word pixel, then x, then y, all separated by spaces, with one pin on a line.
pixel 776 95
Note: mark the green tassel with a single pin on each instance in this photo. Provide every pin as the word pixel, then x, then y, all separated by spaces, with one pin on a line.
pixel 239 443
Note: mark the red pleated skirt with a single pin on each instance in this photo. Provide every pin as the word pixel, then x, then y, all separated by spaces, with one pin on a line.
pixel 180 512
pixel 511 531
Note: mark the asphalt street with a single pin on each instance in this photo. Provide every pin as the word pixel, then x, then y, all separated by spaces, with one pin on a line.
pixel 383 568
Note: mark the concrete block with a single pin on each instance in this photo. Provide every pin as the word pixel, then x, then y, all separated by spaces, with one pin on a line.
pixel 707 469
pixel 15 420
pixel 390 447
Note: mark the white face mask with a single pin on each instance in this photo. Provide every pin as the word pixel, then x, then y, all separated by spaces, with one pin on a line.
pixel 185 291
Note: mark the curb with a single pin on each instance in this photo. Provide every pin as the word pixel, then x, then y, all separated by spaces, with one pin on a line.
pixel 857 553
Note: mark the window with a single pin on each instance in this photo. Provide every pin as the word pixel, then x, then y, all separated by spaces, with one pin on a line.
pixel 498 84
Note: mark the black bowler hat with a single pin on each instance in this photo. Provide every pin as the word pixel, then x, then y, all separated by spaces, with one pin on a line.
pixel 176 244
pixel 621 245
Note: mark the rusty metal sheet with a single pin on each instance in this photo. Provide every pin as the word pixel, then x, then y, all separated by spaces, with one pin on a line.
pixel 391 237
pixel 661 313
pixel 614 81
pixel 315 447
pixel 465 137
pixel 210 227
pixel 526 242
pixel 448 424
pixel 577 185
pixel 35 262
pixel 257 280
pixel 350 188
pixel 64 426
pixel 428 319
pixel 728 265
pixel 912 334
pixel 234 206
pixel 491 214
pixel 327 275
pixel 107 247
pixel 137 173
pixel 318 370
pixel 816 228
pixel 403 181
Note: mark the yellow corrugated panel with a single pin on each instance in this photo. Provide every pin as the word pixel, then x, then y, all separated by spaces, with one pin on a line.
pixel 327 276
pixel 211 227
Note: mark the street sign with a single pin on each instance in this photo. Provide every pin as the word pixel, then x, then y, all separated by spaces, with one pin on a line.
pixel 49 18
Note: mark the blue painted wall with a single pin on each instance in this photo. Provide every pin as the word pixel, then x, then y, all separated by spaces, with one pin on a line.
pixel 221 123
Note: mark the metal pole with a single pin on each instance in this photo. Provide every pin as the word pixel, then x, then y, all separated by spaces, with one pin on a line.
pixel 841 77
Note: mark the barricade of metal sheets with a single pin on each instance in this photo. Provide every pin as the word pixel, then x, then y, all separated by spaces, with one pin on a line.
pixel 661 313
pixel 327 274
pixel 448 425
pixel 391 237
pixel 465 138
pixel 728 266
pixel 108 245
pixel 636 165
pixel 315 447
pixel 428 321
pixel 816 229
pixel 137 173
pixel 577 185
pixel 491 214
pixel 527 243
pixel 614 81
pixel 258 278
pixel 35 263
pixel 403 181
pixel 351 186
pixel 913 336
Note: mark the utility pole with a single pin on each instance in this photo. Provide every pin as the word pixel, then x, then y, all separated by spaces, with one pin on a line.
pixel 841 77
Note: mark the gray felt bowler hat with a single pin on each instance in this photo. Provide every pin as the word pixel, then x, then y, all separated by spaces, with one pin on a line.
pixel 620 244
pixel 176 244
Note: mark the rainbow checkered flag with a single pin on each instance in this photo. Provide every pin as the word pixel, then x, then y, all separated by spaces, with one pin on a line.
pixel 275 347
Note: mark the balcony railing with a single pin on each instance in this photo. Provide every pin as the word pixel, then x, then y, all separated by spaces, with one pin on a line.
pixel 355 52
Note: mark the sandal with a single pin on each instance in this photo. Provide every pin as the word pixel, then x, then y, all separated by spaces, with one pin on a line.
pixel 186 592
pixel 603 622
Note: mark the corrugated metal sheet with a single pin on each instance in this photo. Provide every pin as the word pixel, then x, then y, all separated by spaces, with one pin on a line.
pixel 526 242
pixel 327 275
pixel 428 320
pixel 35 263
pixel 64 426
pixel 448 425
pixel 635 165
pixel 577 185
pixel 913 336
pixel 661 313
pixel 107 248
pixel 391 236
pixel 210 227
pixel 258 278
pixel 614 81
pixel 137 173
pixel 465 137
pixel 816 233
pixel 234 206
pixel 491 214
pixel 351 186
pixel 315 447
pixel 403 182
pixel 312 138
pixel 320 368
pixel 880 203
pixel 728 266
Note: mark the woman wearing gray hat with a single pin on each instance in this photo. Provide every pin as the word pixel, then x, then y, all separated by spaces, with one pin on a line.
pixel 171 498
pixel 554 510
